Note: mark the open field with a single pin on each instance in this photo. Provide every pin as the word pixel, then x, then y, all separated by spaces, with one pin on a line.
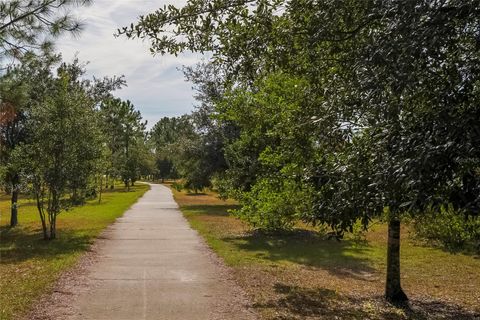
pixel 30 265
pixel 301 275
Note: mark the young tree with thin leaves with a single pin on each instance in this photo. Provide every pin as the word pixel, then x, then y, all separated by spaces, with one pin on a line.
pixel 65 133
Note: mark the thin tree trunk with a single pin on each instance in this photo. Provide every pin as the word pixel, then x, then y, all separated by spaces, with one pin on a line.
pixel 53 210
pixel 53 226
pixel 100 191
pixel 44 226
pixel 393 289
pixel 14 208
pixel 42 216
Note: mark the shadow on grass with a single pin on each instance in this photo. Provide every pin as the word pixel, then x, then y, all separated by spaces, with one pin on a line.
pixel 295 302
pixel 20 244
pixel 349 259
pixel 345 259
pixel 212 209
pixel 121 189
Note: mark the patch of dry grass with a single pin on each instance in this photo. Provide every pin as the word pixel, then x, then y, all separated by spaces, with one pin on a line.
pixel 300 275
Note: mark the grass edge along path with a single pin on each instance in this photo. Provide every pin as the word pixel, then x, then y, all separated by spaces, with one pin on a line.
pixel 30 266
pixel 303 276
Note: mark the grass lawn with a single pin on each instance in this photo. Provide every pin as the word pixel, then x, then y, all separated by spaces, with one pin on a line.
pixel 301 275
pixel 29 265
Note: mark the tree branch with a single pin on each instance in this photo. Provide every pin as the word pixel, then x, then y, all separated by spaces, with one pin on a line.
pixel 23 16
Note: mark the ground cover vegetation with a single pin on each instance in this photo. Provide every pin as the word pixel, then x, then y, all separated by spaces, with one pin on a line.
pixel 301 274
pixel 334 113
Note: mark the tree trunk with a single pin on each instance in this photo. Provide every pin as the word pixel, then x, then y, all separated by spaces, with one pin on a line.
pixel 100 191
pixel 44 230
pixel 14 209
pixel 393 290
pixel 53 227
pixel 42 219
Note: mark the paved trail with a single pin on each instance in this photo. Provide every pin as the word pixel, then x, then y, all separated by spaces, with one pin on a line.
pixel 152 265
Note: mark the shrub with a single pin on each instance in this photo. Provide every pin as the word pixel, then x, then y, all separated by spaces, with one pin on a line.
pixel 449 228
pixel 178 186
pixel 274 204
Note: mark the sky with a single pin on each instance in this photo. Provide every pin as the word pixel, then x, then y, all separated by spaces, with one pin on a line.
pixel 155 85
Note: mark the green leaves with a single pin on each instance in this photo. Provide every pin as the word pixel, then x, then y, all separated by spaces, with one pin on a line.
pixel 27 26
pixel 124 134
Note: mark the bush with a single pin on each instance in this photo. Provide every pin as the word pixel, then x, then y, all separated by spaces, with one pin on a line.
pixel 274 204
pixel 178 186
pixel 449 228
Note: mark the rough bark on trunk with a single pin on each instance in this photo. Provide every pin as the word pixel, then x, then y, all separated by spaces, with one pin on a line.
pixel 393 289
pixel 14 208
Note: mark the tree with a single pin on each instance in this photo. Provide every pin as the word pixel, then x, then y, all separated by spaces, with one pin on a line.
pixel 12 132
pixel 407 79
pixel 29 25
pixel 26 28
pixel 62 148
pixel 191 146
pixel 164 134
pixel 124 129
pixel 20 87
pixel 267 162
pixel 393 90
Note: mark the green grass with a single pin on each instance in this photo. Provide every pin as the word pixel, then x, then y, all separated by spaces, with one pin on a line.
pixel 29 265
pixel 301 275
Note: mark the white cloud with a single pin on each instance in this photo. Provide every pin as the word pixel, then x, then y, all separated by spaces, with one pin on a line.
pixel 155 86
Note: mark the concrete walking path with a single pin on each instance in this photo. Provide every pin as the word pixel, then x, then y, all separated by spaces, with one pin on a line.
pixel 152 265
